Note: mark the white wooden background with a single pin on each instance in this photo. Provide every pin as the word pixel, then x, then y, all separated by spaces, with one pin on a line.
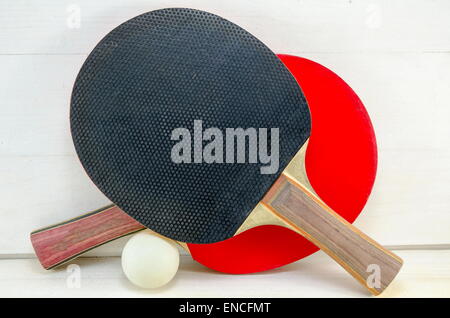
pixel 394 53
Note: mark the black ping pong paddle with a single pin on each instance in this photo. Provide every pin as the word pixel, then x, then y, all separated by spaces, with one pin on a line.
pixel 180 110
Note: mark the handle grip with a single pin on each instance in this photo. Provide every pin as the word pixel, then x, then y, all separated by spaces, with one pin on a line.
pixel 59 243
pixel 366 260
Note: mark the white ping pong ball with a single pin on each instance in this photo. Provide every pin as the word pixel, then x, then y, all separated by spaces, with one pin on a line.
pixel 150 261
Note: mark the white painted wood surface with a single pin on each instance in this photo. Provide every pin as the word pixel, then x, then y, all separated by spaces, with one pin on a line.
pixel 395 54
pixel 425 274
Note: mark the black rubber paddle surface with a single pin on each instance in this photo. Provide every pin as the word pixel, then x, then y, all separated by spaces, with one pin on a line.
pixel 160 71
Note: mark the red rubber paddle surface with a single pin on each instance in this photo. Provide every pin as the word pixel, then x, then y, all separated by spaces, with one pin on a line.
pixel 341 163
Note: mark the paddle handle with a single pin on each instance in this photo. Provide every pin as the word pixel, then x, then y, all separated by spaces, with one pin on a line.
pixel 370 263
pixel 62 242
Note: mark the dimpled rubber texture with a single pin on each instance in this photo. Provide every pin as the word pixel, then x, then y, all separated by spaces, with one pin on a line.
pixel 161 71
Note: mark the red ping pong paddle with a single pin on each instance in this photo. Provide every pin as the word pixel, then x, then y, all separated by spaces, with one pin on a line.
pixel 341 173
pixel 341 164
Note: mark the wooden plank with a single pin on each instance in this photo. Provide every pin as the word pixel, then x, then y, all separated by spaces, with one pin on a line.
pixel 425 274
pixel 42 27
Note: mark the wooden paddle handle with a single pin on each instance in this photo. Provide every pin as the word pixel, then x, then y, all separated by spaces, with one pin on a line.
pixel 62 242
pixel 370 263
